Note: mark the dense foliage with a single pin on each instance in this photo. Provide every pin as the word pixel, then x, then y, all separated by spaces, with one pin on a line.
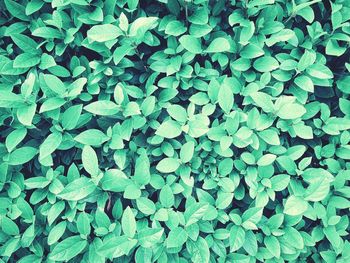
pixel 174 131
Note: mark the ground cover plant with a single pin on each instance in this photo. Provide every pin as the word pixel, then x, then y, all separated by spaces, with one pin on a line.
pixel 174 131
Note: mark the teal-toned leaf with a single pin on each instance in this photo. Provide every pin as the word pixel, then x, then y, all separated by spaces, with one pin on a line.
pixel 191 43
pixel 128 223
pixel 103 33
pixel 68 248
pixel 78 189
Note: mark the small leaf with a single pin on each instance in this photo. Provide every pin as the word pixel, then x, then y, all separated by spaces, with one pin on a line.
pixel 166 196
pixel 55 84
pixel 305 83
pixel 218 45
pixel 176 238
pixel 237 238
pixel 295 206
pixel 273 246
pixel 225 98
pixel 83 224
pixel 191 43
pixel 175 28
pixel 50 144
pixel 90 161
pixel 319 71
pixel 186 152
pixel 169 129
pixel 168 165
pixel 78 189
pixel 266 64
pixel 291 111
pixel 68 249
pixel 128 223
pixel 92 137
pixel 103 33
pixel 22 155
pixel 102 107
pixel 26 60
pixel 114 180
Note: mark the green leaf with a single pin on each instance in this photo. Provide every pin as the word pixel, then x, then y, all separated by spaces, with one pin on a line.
pixel 166 196
pixel 281 36
pixel 270 136
pixel 26 60
pixel 14 138
pixel 175 28
pixel 50 144
pixel 103 33
pixel 8 226
pixel 55 84
pixel 26 114
pixel 92 137
pixel 146 206
pixel 305 83
pixel 56 233
pixel 295 206
pixel 291 111
pixel 199 16
pixel 218 45
pixel 78 189
pixel 199 250
pixel 132 4
pixel 225 98
pixel 83 224
pixel 25 43
pixel 15 9
pixel 273 246
pixel 33 6
pixel 280 182
pixel 344 106
pixel 36 182
pixel 120 52
pixel 71 116
pixel 186 152
pixel 237 238
pixel 150 236
pixel 141 25
pixel 51 104
pixel 176 238
pixel 169 129
pixel 90 161
pixel 114 180
pixel 195 212
pixel 102 107
pixel 168 165
pixel 10 100
pixel 252 217
pixel 223 200
pixel 128 222
pixel 247 32
pixel 263 100
pixel 191 44
pixel 306 60
pixel 22 155
pixel 266 64
pixel 177 112
pixel 68 249
pixel 319 71
pixel 251 51
pixel 142 173
pixel 47 33
pixel 318 190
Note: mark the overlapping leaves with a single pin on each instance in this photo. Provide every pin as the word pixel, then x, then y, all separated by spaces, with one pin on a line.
pixel 174 131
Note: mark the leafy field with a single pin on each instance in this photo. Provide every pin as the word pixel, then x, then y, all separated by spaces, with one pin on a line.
pixel 174 131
